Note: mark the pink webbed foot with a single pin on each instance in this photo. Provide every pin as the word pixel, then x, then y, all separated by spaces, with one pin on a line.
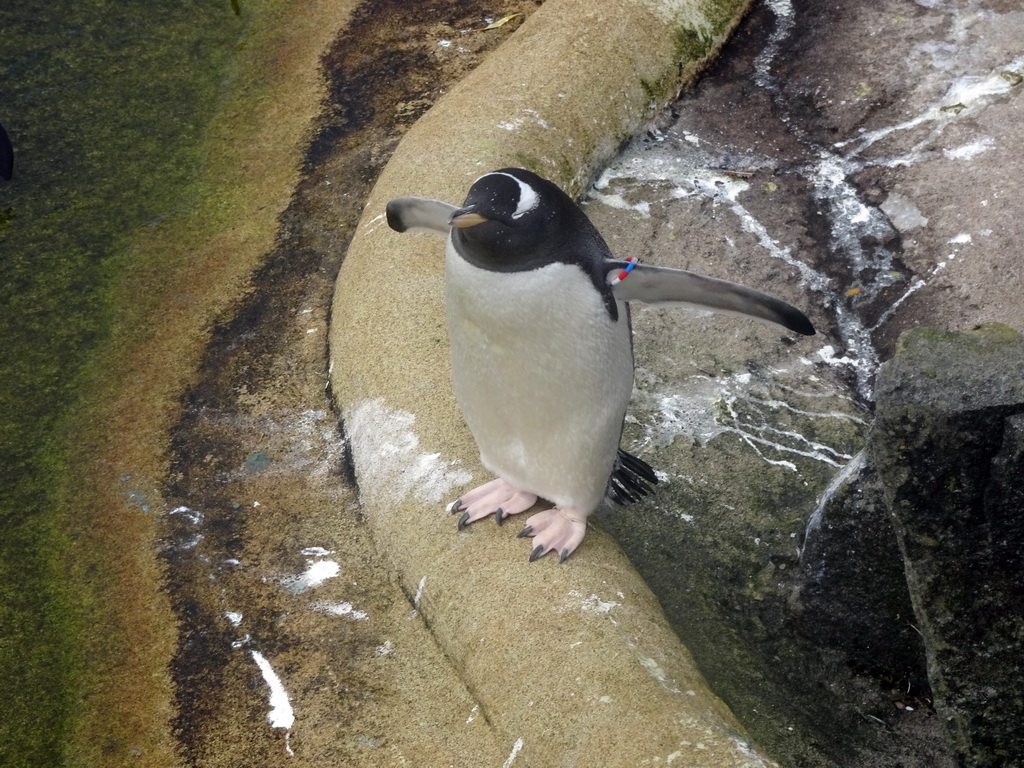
pixel 555 530
pixel 496 498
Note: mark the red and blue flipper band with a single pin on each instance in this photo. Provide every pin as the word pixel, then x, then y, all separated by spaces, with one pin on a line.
pixel 631 262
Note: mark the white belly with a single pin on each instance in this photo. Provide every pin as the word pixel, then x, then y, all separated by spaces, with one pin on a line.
pixel 542 376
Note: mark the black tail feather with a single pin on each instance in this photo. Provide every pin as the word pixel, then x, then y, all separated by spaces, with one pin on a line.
pixel 631 479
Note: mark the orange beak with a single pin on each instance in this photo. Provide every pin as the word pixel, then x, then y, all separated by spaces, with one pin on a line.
pixel 463 220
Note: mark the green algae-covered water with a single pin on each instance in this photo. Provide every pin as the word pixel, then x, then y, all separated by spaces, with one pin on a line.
pixel 105 103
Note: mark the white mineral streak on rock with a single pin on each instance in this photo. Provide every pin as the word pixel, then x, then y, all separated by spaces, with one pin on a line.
pixel 515 751
pixel 390 465
pixel 315 574
pixel 281 714
pixel 339 609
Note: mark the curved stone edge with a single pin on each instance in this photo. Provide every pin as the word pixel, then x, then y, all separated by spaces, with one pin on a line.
pixel 577 661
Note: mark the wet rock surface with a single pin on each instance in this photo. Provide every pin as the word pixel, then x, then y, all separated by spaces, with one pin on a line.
pixel 852 594
pixel 947 442
pixel 821 160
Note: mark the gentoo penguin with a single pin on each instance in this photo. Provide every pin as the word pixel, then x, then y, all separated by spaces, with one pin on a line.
pixel 542 350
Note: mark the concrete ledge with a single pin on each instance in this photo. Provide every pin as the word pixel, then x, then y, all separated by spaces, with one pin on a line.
pixel 575 660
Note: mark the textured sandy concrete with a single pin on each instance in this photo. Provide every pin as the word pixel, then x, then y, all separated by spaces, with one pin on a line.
pixel 576 660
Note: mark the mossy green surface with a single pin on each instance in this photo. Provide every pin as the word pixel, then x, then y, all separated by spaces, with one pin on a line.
pixel 106 104
pixel 695 44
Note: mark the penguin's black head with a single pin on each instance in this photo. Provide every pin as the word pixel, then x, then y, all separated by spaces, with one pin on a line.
pixel 513 220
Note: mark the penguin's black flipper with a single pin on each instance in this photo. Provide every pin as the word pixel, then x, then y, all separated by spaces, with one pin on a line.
pixel 419 214
pixel 661 285
pixel 631 479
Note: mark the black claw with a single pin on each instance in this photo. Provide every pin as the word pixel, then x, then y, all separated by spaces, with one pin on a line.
pixel 562 555
pixel 457 506
pixel 525 533
pixel 500 516
pixel 537 552
pixel 463 520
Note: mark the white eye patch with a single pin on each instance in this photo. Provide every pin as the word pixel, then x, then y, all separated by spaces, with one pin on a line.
pixel 528 198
